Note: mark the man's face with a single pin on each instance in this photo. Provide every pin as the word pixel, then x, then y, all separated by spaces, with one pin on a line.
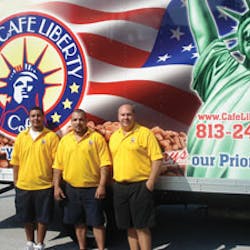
pixel 79 123
pixel 126 117
pixel 36 119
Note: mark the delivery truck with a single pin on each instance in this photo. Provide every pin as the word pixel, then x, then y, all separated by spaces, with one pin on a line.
pixel 184 68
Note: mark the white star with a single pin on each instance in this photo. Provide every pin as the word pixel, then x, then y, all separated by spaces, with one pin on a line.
pixel 234 28
pixel 163 58
pixel 188 47
pixel 195 55
pixel 176 34
pixel 222 15
pixel 184 3
pixel 243 6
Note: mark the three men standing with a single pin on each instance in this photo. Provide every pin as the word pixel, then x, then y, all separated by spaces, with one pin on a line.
pixel 82 161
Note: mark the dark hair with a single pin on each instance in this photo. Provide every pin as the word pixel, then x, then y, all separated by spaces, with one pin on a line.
pixel 37 108
pixel 81 111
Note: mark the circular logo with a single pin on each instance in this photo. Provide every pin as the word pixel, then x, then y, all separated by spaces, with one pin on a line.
pixel 41 64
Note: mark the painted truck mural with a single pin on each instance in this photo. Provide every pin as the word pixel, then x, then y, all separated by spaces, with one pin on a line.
pixel 183 64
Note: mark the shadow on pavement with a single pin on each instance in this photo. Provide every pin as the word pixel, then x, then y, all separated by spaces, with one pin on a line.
pixel 64 246
pixel 189 228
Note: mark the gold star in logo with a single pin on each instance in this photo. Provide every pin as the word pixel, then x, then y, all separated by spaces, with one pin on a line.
pixel 55 117
pixel 67 104
pixel 4 99
pixel 74 88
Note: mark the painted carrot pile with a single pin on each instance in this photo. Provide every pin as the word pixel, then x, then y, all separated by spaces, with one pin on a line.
pixel 107 128
pixel 173 145
pixel 170 140
pixel 4 142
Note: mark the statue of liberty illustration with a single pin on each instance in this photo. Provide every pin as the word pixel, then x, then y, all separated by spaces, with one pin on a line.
pixel 219 145
pixel 25 88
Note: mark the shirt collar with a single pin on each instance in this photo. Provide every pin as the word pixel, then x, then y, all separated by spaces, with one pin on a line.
pixel 87 133
pixel 26 131
pixel 134 129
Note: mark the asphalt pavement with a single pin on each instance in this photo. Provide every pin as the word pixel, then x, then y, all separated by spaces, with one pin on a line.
pixel 58 237
pixel 12 236
pixel 179 227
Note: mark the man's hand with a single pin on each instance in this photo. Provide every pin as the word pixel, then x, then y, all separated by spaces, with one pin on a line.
pixel 59 194
pixel 150 185
pixel 100 192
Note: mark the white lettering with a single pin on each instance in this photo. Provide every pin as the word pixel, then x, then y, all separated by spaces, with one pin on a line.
pixel 74 71
pixel 55 33
pixel 31 21
pixel 13 28
pixel 8 151
pixel 21 22
pixel 17 119
pixel 64 39
pixel 45 31
pixel 3 39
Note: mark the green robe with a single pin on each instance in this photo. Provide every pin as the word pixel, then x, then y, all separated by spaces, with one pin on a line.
pixel 223 85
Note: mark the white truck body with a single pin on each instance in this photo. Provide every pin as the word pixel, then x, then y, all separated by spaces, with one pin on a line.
pixel 97 55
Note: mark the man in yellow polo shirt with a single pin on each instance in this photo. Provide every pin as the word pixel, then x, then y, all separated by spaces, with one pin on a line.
pixel 82 161
pixel 32 160
pixel 136 166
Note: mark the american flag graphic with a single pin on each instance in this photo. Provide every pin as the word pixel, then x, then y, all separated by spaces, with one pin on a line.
pixel 138 51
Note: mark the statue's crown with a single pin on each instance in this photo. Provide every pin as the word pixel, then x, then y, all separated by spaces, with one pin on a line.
pixel 21 69
pixel 240 18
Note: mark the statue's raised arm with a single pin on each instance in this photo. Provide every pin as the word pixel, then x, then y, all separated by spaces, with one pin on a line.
pixel 221 78
pixel 202 23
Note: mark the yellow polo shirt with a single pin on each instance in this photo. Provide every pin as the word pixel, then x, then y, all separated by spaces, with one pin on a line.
pixel 34 158
pixel 81 161
pixel 133 154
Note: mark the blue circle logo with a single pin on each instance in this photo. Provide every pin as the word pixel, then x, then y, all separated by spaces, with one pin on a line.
pixel 41 64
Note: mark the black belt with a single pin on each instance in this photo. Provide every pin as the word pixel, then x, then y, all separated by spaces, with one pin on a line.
pixel 124 182
pixel 128 182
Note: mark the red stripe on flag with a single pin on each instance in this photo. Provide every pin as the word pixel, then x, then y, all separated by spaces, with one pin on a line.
pixel 173 102
pixel 113 52
pixel 95 119
pixel 72 13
